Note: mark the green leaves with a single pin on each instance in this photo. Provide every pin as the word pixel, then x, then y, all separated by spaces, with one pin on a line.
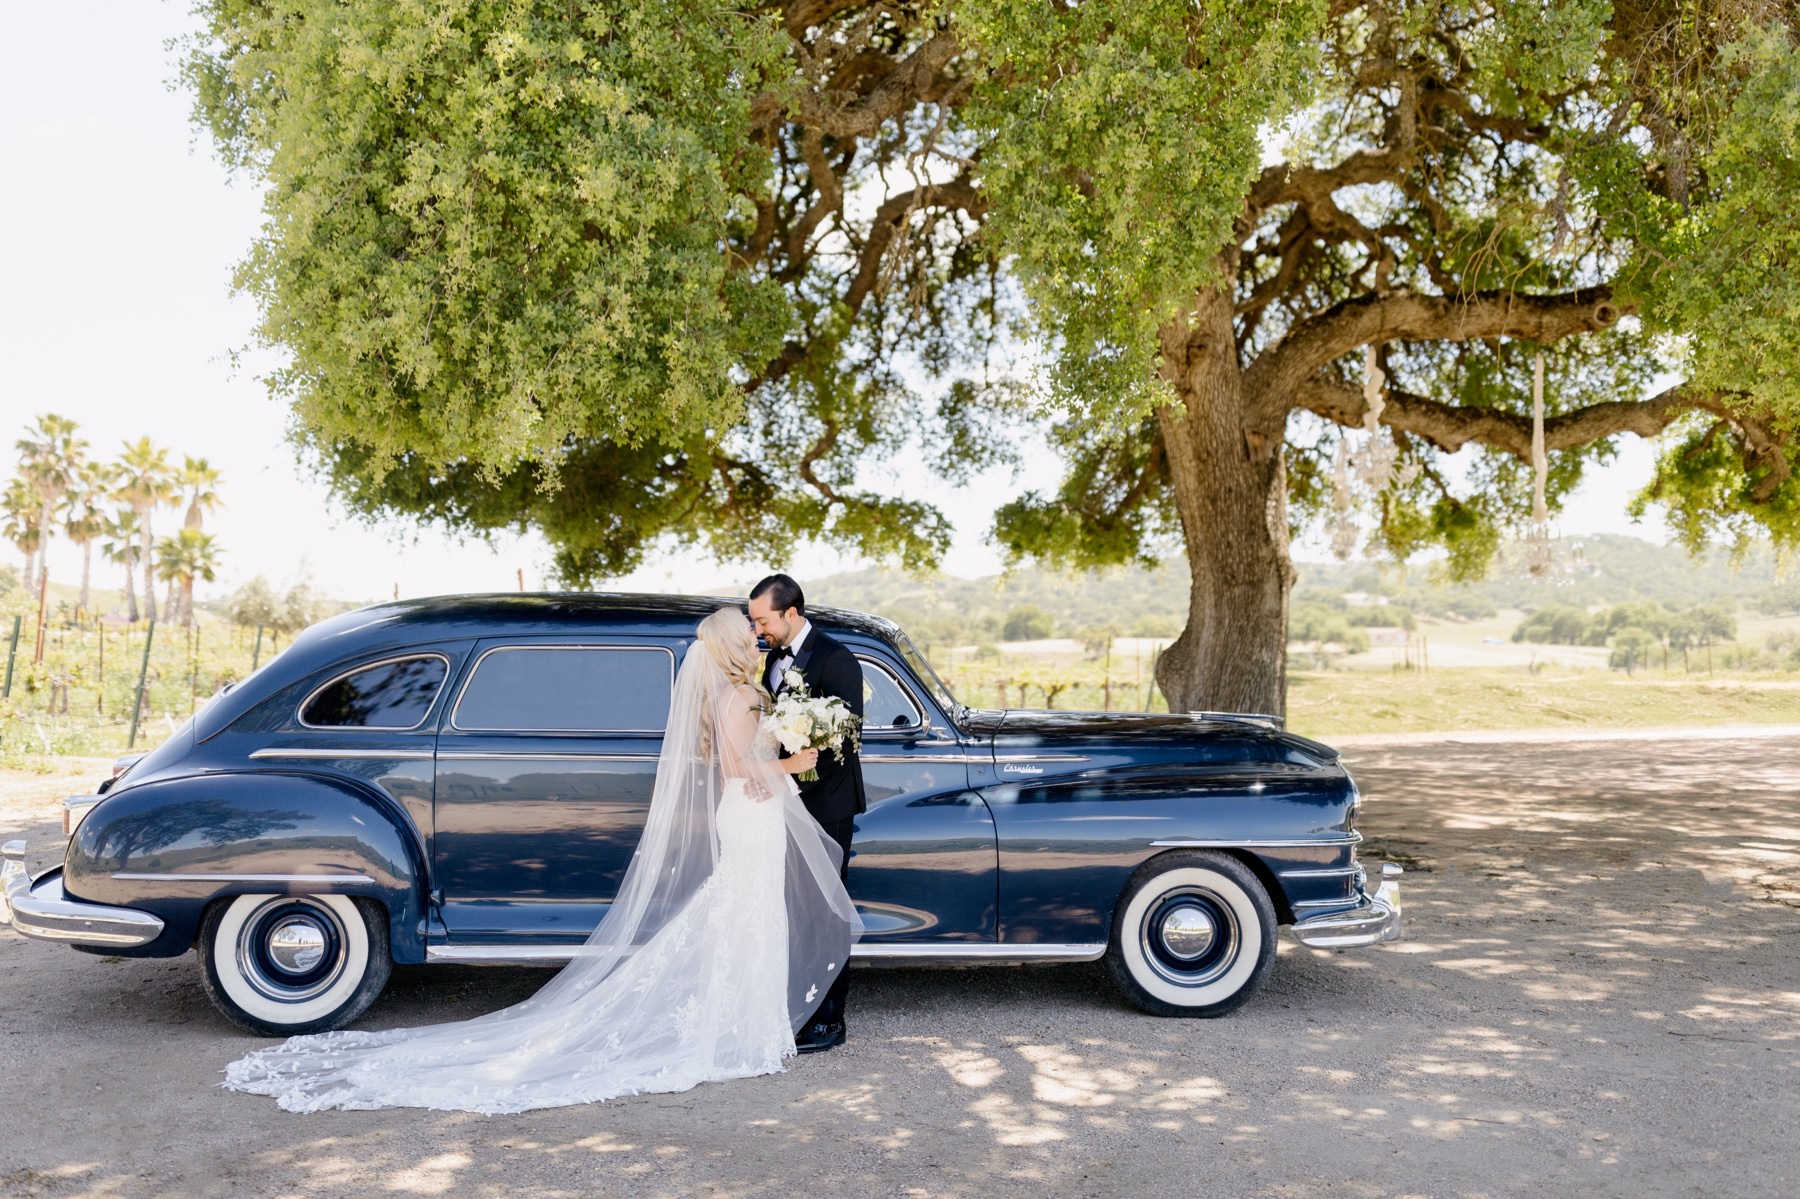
pixel 1123 140
pixel 496 228
pixel 1731 283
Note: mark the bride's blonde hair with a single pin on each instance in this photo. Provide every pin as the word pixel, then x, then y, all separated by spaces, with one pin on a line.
pixel 727 636
pixel 730 643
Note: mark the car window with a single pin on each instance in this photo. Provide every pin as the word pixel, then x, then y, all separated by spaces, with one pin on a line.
pixel 886 703
pixel 568 689
pixel 395 694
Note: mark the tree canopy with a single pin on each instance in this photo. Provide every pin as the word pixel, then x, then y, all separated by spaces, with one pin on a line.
pixel 690 271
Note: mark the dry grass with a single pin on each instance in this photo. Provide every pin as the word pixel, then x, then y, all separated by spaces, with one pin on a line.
pixel 1324 704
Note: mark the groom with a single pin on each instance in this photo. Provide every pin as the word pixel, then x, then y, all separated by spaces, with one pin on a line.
pixel 836 797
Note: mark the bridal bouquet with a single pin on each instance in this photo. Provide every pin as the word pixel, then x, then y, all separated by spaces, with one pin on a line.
pixel 801 720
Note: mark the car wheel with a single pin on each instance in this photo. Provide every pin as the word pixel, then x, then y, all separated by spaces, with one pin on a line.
pixel 285 964
pixel 1193 935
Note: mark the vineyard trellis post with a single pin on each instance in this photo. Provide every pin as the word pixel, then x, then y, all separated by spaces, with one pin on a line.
pixel 137 706
pixel 256 654
pixel 12 652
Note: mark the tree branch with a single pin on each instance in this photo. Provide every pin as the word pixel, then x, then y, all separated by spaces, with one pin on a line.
pixel 1407 316
pixel 853 114
pixel 1451 426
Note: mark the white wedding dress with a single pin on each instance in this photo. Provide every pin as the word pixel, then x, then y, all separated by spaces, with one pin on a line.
pixel 728 925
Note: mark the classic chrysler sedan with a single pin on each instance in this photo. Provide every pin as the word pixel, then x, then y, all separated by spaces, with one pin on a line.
pixel 464 780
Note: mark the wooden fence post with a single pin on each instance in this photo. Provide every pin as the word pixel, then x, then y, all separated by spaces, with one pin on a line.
pixel 12 653
pixel 137 706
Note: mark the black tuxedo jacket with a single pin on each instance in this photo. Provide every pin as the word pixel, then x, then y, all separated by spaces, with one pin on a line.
pixel 829 669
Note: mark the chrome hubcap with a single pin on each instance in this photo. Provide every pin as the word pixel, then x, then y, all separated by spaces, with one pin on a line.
pixel 1188 932
pixel 1190 936
pixel 296 944
pixel 291 949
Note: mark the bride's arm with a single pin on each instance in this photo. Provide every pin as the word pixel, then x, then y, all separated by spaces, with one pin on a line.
pixel 740 756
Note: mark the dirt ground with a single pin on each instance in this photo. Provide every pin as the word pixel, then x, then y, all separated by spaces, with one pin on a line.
pixel 1599 994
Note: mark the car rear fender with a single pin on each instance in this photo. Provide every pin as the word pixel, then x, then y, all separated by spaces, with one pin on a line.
pixel 173 846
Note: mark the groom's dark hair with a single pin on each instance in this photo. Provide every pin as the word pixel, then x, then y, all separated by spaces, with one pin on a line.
pixel 783 593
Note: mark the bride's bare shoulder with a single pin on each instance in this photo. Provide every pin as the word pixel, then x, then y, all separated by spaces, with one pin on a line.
pixel 751 695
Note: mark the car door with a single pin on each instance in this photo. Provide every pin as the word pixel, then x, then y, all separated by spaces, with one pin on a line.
pixel 923 863
pixel 544 774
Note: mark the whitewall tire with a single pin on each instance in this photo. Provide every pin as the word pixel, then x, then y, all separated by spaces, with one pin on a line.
pixel 285 964
pixel 1193 935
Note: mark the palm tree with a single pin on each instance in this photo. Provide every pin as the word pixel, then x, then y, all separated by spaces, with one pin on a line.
pixel 50 457
pixel 184 557
pixel 145 482
pixel 19 507
pixel 122 547
pixel 85 516
pixel 196 478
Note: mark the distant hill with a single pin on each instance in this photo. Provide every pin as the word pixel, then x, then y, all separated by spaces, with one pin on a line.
pixel 1606 569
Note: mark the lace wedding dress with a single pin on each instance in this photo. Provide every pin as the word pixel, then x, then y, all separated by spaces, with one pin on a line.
pixel 729 923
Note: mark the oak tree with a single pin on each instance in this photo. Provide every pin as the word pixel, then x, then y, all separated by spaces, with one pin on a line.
pixel 674 270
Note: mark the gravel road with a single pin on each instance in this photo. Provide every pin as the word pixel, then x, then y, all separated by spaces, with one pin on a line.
pixel 1599 994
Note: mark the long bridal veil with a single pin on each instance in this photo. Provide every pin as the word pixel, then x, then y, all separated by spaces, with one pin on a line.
pixel 666 992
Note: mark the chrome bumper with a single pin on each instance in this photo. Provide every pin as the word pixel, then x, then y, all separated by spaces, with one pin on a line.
pixel 1376 921
pixel 39 909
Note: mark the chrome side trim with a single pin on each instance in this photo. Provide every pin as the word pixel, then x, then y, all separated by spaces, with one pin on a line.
pixel 962 759
pixel 949 951
pixel 965 951
pixel 502 955
pixel 470 755
pixel 374 728
pixel 1332 872
pixel 1339 902
pixel 1040 757
pixel 1286 843
pixel 327 755
pixel 243 878
pixel 39 910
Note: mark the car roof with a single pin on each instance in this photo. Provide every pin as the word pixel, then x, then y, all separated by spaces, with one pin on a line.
pixel 501 614
pixel 396 626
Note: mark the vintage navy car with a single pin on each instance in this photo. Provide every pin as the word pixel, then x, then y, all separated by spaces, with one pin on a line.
pixel 464 779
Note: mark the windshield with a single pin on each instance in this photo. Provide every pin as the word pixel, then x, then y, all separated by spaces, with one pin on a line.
pixel 926 675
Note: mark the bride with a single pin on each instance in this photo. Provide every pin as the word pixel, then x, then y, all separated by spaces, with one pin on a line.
pixel 729 923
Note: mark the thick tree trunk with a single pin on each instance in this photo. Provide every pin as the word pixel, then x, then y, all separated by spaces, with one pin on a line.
pixel 187 601
pixel 1225 458
pixel 131 608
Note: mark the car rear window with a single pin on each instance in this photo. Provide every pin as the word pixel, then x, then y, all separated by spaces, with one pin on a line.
pixel 395 694
pixel 568 689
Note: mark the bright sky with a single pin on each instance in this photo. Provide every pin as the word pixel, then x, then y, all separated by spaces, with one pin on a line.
pixel 118 234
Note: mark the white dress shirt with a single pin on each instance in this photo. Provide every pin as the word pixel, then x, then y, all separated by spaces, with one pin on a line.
pixel 786 655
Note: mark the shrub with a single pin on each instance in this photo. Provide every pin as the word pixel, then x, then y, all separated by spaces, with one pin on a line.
pixel 1027 622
